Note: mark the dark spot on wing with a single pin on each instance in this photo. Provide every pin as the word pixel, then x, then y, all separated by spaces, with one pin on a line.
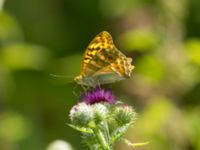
pixel 98 48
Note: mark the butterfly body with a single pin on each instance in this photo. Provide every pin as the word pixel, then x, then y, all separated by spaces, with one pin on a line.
pixel 103 63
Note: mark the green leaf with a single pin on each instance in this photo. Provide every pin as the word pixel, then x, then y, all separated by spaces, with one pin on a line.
pixel 25 56
pixel 193 50
pixel 118 133
pixel 129 143
pixel 10 31
pixel 81 129
pixel 151 67
pixel 140 40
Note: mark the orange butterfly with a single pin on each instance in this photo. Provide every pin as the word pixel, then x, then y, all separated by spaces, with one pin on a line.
pixel 103 62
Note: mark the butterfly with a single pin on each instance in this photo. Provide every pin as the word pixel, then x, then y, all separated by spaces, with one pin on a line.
pixel 103 63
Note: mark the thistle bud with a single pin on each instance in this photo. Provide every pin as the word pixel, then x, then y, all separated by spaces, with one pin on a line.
pixel 100 111
pixel 59 145
pixel 81 114
pixel 124 114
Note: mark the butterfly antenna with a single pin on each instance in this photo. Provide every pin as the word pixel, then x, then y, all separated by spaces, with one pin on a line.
pixel 60 76
pixel 63 76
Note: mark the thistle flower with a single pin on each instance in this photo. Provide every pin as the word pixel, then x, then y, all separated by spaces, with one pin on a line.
pixel 98 95
pixel 101 121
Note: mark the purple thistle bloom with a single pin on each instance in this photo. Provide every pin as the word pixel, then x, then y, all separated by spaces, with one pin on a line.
pixel 98 95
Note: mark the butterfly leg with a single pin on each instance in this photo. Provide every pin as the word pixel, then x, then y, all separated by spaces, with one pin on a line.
pixel 84 88
pixel 98 84
pixel 74 91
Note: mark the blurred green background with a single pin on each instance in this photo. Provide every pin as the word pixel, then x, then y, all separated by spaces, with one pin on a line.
pixel 43 37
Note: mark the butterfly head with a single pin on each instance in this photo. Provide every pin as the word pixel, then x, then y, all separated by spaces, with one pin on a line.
pixel 87 81
pixel 78 79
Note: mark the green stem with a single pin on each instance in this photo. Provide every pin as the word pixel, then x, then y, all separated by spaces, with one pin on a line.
pixel 107 133
pixel 102 136
pixel 102 140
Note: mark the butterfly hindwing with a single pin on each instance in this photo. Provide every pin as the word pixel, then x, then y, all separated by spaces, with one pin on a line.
pixel 117 70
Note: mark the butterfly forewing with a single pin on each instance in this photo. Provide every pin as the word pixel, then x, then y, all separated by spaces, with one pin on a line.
pixel 93 60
